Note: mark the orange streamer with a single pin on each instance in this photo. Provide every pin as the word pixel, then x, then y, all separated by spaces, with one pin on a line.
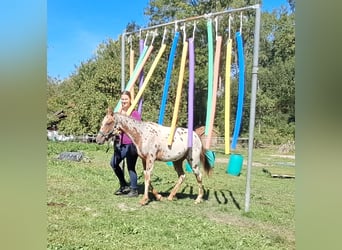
pixel 215 83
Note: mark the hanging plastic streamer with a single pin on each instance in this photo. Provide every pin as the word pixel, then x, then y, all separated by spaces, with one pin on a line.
pixel 241 91
pixel 131 65
pixel 179 92
pixel 227 97
pixel 167 78
pixel 141 76
pixel 210 73
pixel 191 99
pixel 215 85
pixel 138 68
pixel 148 76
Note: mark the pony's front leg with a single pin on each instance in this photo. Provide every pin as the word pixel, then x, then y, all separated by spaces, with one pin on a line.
pixel 154 191
pixel 144 200
pixel 147 174
pixel 181 176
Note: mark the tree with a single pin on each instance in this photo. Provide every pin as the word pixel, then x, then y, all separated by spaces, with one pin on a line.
pixel 276 87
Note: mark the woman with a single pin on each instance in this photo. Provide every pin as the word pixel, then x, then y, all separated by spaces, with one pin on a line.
pixel 124 148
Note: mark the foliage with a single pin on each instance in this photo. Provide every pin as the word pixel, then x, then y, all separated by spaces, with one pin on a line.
pixel 83 212
pixel 97 82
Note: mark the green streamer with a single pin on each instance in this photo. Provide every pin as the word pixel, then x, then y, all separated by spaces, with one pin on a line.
pixel 135 72
pixel 210 74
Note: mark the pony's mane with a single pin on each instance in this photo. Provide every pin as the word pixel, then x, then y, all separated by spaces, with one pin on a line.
pixel 137 121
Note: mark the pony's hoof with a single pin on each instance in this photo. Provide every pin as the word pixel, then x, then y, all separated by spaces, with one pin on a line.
pixel 143 202
pixel 197 201
pixel 159 197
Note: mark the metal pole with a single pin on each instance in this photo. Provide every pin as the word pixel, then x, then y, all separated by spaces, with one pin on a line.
pixel 253 104
pixel 123 60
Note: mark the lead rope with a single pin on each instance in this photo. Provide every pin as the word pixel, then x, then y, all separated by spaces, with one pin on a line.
pixel 108 146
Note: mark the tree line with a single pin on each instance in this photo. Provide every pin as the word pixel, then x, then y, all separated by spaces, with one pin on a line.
pixel 96 83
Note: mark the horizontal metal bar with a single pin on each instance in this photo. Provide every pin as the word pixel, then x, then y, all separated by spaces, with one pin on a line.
pixel 209 15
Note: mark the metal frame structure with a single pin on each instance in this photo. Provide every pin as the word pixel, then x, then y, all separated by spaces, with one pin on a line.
pixel 257 9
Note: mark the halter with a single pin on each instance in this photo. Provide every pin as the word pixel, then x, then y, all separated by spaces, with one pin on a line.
pixel 110 134
pixel 107 135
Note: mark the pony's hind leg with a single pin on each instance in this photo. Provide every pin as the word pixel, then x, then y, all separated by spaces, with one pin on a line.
pixel 178 165
pixel 198 176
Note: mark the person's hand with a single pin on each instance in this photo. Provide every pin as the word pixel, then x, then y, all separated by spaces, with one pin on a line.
pixel 116 139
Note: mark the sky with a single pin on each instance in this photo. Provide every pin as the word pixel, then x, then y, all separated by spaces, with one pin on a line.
pixel 76 27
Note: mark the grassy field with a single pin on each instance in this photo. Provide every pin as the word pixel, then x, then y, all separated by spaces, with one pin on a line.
pixel 83 212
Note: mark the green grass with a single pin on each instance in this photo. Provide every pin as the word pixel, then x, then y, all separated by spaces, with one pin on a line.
pixel 83 212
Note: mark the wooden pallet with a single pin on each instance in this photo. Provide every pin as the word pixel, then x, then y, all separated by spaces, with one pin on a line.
pixel 282 176
pixel 278 175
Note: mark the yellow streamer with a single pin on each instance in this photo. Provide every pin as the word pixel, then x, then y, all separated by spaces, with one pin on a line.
pixel 135 76
pixel 179 93
pixel 227 98
pixel 146 80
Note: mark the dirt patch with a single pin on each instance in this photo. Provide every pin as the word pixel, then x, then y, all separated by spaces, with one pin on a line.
pixel 55 204
pixel 244 222
pixel 125 207
pixel 254 164
pixel 258 164
pixel 285 156
pixel 221 160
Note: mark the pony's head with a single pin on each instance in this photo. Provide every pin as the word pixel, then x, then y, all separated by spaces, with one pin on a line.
pixel 108 129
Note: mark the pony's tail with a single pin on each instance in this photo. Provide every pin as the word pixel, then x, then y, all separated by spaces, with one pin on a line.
pixel 205 162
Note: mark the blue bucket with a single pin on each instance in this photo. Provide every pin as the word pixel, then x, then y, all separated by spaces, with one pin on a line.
pixel 235 164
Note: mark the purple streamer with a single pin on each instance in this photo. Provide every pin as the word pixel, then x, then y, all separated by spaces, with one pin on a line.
pixel 191 91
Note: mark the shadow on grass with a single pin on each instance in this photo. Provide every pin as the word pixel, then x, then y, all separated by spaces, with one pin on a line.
pixel 183 193
pixel 187 192
pixel 225 199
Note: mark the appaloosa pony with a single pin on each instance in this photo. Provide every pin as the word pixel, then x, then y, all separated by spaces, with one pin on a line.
pixel 151 141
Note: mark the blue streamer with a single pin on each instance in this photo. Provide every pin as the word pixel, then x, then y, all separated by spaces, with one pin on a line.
pixel 167 78
pixel 241 91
